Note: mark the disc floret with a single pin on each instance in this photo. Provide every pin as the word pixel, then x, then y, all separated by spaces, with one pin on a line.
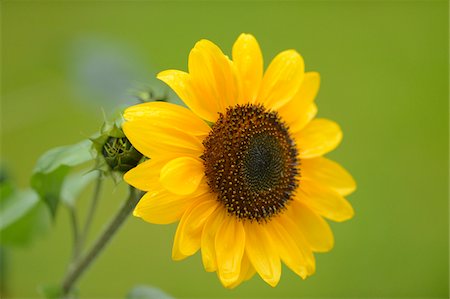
pixel 251 162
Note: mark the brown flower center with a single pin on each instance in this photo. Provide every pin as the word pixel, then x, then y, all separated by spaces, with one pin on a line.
pixel 251 162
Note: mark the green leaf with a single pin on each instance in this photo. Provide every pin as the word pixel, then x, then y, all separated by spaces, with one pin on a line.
pixel 52 169
pixel 48 186
pixel 55 292
pixel 6 185
pixel 70 155
pixel 147 292
pixel 6 189
pixel 14 207
pixel 74 185
pixel 22 218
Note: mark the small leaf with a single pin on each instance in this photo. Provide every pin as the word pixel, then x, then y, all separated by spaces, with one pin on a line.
pixel 74 185
pixel 53 167
pixel 48 186
pixel 147 292
pixel 16 206
pixel 22 217
pixel 70 155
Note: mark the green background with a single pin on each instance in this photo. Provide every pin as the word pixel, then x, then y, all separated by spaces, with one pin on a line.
pixel 384 68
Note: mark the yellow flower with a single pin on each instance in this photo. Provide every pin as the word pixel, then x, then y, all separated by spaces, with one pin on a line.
pixel 253 188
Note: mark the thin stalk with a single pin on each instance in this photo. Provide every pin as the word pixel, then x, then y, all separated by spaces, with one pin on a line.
pixel 91 212
pixel 80 265
pixel 75 232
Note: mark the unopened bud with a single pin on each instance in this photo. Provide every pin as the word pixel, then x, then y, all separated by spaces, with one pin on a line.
pixel 115 152
pixel 120 155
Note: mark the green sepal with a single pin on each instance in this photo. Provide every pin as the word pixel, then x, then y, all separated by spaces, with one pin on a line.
pixel 107 130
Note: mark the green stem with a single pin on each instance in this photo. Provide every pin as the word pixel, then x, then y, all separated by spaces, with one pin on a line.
pixel 75 232
pixel 81 264
pixel 91 212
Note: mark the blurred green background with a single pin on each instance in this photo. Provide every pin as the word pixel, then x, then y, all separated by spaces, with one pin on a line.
pixel 384 68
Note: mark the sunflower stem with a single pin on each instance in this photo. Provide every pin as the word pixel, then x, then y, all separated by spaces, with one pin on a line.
pixel 79 266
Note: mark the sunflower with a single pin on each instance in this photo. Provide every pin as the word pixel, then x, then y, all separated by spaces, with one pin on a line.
pixel 242 169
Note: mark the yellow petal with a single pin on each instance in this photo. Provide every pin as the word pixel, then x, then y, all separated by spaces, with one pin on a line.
pixel 145 176
pixel 189 230
pixel 306 118
pixel 161 207
pixel 282 80
pixel 230 244
pixel 262 253
pixel 247 58
pixel 182 84
pixel 301 109
pixel 152 141
pixel 168 115
pixel 287 227
pixel 182 175
pixel 287 248
pixel 319 137
pixel 324 201
pixel 213 75
pixel 208 239
pixel 328 173
pixel 247 272
pixel 309 88
pixel 314 228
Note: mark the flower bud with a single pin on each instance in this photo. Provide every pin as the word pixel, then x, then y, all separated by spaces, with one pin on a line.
pixel 115 153
pixel 120 155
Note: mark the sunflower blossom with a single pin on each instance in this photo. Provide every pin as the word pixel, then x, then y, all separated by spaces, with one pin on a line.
pixel 242 169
